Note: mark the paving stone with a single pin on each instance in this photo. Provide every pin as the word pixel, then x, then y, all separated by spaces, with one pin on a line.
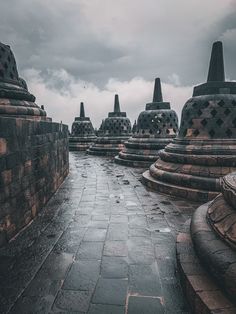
pixel 114 267
pixel 106 309
pixel 140 250
pixel 117 232
pixel 110 291
pixel 115 248
pixel 83 275
pixel 81 252
pixel 144 280
pixel 144 305
pixel 69 300
pixel 93 234
pixel 90 251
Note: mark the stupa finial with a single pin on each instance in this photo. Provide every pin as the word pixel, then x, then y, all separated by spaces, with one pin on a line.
pixel 116 104
pixel 157 94
pixel 216 68
pixel 82 113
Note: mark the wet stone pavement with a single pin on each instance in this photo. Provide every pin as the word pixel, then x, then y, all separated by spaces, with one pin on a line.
pixel 103 244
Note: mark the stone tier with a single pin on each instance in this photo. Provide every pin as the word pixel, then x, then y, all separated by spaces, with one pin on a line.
pixel 140 152
pixel 213 238
pixel 205 148
pixel 81 143
pixel 201 290
pixel 156 127
pixel 107 146
pixel 15 99
pixel 82 132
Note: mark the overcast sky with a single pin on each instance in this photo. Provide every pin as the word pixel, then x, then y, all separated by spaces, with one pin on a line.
pixel 87 50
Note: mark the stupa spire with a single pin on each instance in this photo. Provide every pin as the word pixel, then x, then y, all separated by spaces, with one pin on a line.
pixel 216 68
pixel 82 113
pixel 116 104
pixel 157 94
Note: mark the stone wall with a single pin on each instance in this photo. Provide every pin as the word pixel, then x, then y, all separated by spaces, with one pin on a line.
pixel 33 163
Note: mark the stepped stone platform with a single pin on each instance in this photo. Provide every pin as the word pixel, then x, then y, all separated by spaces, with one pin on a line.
pixel 112 134
pixel 205 148
pixel 155 128
pixel 82 134
pixel 212 275
pixel 33 151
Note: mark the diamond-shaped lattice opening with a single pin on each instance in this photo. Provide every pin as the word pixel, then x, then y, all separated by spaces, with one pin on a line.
pixel 194 105
pixel 221 103
pixel 212 133
pixel 219 122
pixel 163 115
pixel 204 122
pixel 199 112
pixel 227 111
pixel 196 132
pixel 229 133
pixel 206 104
pixel 213 112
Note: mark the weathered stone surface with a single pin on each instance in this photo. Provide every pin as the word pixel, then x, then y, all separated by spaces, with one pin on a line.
pixel 155 128
pixel 15 99
pixel 33 151
pixel 112 133
pixel 205 148
pixel 56 265
pixel 82 132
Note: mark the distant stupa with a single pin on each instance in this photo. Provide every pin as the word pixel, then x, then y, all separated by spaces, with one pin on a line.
pixel 113 131
pixel 82 132
pixel 205 148
pixel 156 127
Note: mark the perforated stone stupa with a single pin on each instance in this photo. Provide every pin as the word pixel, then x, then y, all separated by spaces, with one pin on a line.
pixel 82 132
pixel 157 125
pixel 34 157
pixel 112 133
pixel 15 100
pixel 205 148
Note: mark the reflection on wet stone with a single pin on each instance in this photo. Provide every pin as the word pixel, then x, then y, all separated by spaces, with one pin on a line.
pixel 95 255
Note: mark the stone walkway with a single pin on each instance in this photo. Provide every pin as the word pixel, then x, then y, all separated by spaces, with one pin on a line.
pixel 104 244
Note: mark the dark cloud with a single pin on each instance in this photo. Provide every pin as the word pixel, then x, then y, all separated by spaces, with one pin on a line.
pixel 96 40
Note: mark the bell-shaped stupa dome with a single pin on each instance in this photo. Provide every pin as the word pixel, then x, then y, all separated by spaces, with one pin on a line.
pixel 156 127
pixel 82 132
pixel 15 99
pixel 114 130
pixel 205 148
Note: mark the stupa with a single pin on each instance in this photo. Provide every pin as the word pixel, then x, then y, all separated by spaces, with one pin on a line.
pixel 206 253
pixel 113 132
pixel 156 127
pixel 82 132
pixel 34 157
pixel 15 99
pixel 205 148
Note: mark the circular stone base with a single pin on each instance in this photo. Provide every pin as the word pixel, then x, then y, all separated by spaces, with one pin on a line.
pixel 107 146
pixel 132 163
pixel 215 254
pixel 175 190
pixel 202 292
pixel 79 146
